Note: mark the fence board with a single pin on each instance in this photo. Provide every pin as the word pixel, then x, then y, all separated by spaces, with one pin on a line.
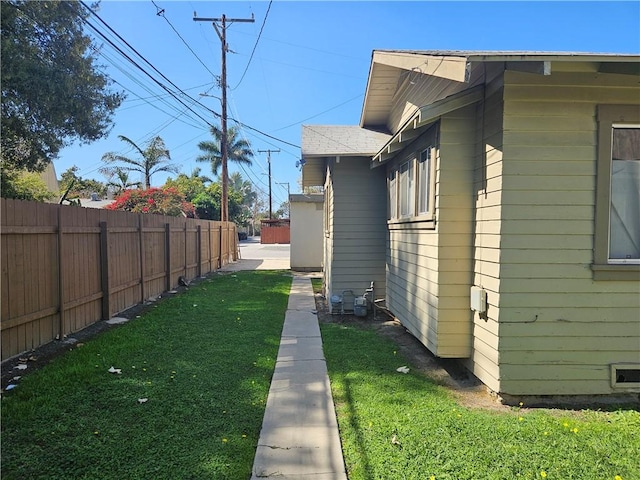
pixel 52 275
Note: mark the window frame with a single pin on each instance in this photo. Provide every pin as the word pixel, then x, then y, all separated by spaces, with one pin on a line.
pixel 602 267
pixel 409 194
pixel 392 194
pixel 411 155
pixel 430 183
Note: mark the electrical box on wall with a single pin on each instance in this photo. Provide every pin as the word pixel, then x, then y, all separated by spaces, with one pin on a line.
pixel 478 299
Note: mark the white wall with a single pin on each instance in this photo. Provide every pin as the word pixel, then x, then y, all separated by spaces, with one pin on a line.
pixel 306 231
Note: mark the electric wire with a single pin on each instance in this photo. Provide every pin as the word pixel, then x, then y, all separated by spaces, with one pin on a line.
pixel 255 46
pixel 173 94
pixel 161 13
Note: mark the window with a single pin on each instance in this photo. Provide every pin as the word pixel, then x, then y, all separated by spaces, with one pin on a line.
pixel 411 183
pixel 424 181
pixel 393 194
pixel 406 189
pixel 624 211
pixel 617 232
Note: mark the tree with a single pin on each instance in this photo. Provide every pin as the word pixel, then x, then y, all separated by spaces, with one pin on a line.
pixel 119 182
pixel 189 185
pixel 25 186
pixel 207 204
pixel 155 158
pixel 161 201
pixel 238 149
pixel 52 90
pixel 76 186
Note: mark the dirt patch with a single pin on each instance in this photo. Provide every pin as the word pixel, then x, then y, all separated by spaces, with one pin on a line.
pixel 468 390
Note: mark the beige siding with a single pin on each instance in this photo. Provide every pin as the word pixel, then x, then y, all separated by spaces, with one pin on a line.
pixel 559 329
pixel 429 270
pixel 484 361
pixel 355 247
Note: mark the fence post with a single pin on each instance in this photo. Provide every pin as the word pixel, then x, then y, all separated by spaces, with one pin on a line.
pixel 211 268
pixel 220 248
pixel 167 251
pixel 60 277
pixel 104 270
pixel 199 249
pixel 185 249
pixel 142 264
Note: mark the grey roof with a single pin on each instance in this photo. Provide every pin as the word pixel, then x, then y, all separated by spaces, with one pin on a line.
pixel 499 55
pixel 331 140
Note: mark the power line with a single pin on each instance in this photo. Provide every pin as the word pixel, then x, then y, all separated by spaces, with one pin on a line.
pixel 255 46
pixel 137 65
pixel 160 13
pixel 321 113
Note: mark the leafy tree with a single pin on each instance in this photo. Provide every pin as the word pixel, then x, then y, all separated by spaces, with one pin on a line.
pixel 189 185
pixel 80 187
pixel 25 185
pixel 119 182
pixel 207 203
pixel 282 212
pixel 238 150
pixel 154 158
pixel 244 187
pixel 52 91
pixel 161 201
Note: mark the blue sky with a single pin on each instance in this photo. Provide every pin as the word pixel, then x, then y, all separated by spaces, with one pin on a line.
pixel 310 64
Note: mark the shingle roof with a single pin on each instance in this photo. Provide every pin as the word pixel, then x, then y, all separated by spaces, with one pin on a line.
pixel 330 140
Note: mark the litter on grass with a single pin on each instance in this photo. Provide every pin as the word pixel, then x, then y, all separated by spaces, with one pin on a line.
pixel 143 400
pixel 11 386
pixel 22 366
pixel 403 369
pixel 115 370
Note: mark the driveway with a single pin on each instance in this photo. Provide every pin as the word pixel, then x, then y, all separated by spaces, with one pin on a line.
pixel 256 256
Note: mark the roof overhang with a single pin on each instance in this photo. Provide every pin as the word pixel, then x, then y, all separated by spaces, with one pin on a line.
pixel 424 117
pixel 456 67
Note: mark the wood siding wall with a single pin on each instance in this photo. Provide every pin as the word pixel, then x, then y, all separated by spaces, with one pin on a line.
pixel 355 247
pixel 64 268
pixel 559 328
pixel 429 270
pixel 484 361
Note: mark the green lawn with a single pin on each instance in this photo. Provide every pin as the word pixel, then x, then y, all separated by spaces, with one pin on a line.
pixel 397 426
pixel 203 360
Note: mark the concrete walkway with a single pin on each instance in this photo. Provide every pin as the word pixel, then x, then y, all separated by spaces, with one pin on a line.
pixel 299 437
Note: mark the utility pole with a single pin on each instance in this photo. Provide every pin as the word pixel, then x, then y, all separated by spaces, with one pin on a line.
pixel 268 152
pixel 222 33
pixel 288 199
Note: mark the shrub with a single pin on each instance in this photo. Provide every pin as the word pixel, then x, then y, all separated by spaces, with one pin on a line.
pixel 161 201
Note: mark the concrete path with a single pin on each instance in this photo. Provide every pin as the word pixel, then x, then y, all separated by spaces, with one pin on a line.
pixel 299 437
pixel 256 256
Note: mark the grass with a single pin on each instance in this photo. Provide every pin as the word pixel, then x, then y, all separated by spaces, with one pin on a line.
pixel 203 359
pixel 397 426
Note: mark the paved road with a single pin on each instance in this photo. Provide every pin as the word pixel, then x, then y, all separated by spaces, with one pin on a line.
pixel 255 256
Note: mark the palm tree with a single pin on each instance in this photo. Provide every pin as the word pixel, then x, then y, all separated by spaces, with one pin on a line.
pixel 238 149
pixel 154 159
pixel 119 181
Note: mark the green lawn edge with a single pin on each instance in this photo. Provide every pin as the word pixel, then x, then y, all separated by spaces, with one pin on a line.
pixel 203 360
pixel 404 426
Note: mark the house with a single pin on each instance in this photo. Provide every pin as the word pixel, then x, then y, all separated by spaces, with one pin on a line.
pixel 355 235
pixel 306 231
pixel 495 198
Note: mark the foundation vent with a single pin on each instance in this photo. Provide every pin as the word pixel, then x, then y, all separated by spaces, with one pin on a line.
pixel 625 376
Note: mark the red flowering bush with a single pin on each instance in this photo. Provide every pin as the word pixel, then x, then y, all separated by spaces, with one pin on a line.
pixel 161 201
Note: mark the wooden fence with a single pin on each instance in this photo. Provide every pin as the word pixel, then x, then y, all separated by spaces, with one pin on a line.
pixel 65 267
pixel 275 231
